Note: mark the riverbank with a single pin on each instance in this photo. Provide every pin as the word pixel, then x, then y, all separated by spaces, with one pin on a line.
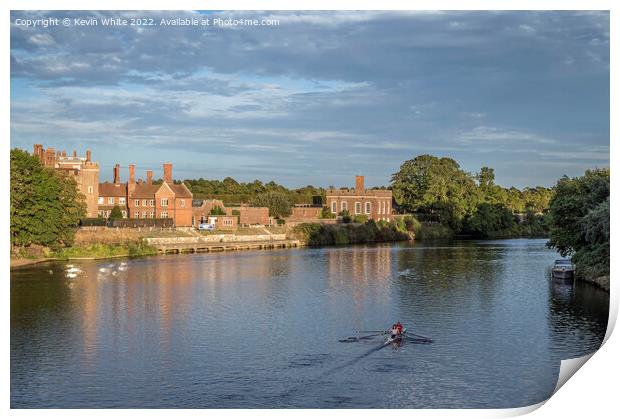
pixel 85 251
pixel 312 234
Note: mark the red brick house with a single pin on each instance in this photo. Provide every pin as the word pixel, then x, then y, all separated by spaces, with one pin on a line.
pixel 376 204
pixel 139 200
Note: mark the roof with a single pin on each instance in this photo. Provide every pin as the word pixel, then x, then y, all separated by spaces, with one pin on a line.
pixel 144 191
pixel 112 189
pixel 181 191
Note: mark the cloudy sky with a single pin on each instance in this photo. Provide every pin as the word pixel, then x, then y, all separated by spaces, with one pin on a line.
pixel 322 96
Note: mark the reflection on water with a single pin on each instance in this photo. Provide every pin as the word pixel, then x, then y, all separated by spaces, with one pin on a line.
pixel 262 329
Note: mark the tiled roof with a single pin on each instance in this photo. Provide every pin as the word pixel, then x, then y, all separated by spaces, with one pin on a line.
pixel 111 189
pixel 144 191
pixel 181 191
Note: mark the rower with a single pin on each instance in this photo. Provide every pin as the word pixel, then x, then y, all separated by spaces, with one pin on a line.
pixel 396 329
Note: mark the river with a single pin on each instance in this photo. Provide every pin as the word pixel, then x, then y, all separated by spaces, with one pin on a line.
pixel 261 329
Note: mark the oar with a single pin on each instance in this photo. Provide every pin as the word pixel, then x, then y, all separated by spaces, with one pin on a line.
pixel 355 339
pixel 371 331
pixel 420 336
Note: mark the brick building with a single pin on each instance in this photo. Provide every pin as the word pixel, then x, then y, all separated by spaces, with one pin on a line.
pixel 140 200
pixel 376 204
pixel 304 213
pixel 250 215
pixel 82 169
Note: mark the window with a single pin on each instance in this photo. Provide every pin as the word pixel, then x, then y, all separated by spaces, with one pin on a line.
pixel 227 222
pixel 136 202
pixel 164 214
pixel 111 200
pixel 121 200
pixel 144 202
pixel 343 206
pixel 143 214
pixel 164 202
pixel 383 207
pixel 334 207
pixel 101 201
pixel 137 214
pixel 182 201
pixel 358 207
pixel 367 207
pixel 90 189
pixel 100 213
pixel 152 214
pixel 388 208
pixel 124 214
pixel 152 203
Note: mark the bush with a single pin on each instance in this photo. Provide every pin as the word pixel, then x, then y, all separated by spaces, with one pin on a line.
pixel 360 219
pixel 327 213
pixel 217 210
pixel 345 216
pixel 116 213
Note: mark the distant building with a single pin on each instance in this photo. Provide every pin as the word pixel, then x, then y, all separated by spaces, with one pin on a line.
pixel 242 215
pixel 82 169
pixel 250 215
pixel 376 204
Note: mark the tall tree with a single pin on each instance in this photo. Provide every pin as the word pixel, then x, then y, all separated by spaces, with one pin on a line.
pixel 45 205
pixel 436 185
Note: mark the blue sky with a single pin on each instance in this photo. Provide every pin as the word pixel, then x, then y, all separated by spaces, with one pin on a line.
pixel 321 97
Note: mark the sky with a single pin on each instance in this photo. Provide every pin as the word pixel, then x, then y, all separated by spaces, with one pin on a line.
pixel 322 96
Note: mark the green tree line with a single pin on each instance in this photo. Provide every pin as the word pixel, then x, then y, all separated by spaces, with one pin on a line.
pixel 467 203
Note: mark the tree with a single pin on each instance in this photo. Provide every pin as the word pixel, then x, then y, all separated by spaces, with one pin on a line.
pixel 435 185
pixel 489 218
pixel 217 210
pixel 579 221
pixel 46 206
pixel 116 213
pixel 573 199
pixel 278 202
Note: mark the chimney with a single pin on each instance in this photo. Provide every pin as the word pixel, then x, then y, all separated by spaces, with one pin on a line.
pixel 132 173
pixel 117 177
pixel 168 173
pixel 74 153
pixel 359 185
pixel 64 153
pixel 149 177
pixel 87 155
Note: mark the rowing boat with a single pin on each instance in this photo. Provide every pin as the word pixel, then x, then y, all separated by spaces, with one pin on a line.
pixel 395 338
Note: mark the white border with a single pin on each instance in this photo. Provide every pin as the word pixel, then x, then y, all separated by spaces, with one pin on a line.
pixel 592 393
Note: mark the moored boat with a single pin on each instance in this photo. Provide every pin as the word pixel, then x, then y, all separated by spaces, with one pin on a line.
pixel 563 269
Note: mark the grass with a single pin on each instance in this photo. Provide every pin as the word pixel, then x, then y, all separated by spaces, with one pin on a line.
pixel 104 250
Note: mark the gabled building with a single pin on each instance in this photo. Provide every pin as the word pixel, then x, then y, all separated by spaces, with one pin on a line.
pixel 140 200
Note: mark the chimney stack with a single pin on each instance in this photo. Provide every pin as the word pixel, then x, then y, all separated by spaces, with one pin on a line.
pixel 74 153
pixel 132 173
pixel 117 177
pixel 359 185
pixel 168 173
pixel 87 155
pixel 149 177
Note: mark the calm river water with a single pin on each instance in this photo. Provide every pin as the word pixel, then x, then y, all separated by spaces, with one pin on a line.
pixel 262 329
